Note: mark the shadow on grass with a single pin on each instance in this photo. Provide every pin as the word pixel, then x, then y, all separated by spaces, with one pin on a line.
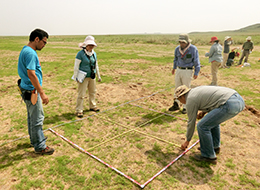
pixel 188 171
pixel 64 117
pixel 9 156
pixel 157 118
pixel 58 118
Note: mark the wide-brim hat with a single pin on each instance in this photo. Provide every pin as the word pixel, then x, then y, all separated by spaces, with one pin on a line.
pixel 181 90
pixel 248 38
pixel 89 40
pixel 184 38
pixel 227 37
pixel 213 39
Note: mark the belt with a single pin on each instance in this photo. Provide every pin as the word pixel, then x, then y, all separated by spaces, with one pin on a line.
pixel 185 68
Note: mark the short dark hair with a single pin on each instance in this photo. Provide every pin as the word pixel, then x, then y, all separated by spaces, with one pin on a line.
pixel 38 33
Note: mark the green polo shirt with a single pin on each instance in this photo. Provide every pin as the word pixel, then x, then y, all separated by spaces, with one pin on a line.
pixel 248 45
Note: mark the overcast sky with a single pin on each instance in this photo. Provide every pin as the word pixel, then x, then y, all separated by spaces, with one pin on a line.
pixel 85 17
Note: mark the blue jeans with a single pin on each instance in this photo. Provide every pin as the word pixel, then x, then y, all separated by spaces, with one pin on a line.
pixel 209 129
pixel 35 117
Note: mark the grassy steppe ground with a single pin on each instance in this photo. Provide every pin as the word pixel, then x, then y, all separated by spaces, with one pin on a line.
pixel 131 67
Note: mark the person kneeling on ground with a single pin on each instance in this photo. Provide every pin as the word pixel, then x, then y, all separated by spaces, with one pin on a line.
pixel 220 104
pixel 231 57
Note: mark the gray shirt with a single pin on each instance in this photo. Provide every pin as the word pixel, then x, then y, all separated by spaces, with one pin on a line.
pixel 204 98
pixel 215 53
pixel 226 46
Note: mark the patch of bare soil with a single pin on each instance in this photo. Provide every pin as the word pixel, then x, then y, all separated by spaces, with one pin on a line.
pixel 119 93
pixel 253 110
pixel 140 61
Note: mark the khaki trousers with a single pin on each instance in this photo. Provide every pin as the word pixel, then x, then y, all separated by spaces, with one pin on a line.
pixel 225 58
pixel 89 84
pixel 182 77
pixel 214 72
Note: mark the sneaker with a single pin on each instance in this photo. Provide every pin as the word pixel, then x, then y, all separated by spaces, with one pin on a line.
pixel 95 110
pixel 174 107
pixel 47 151
pixel 198 157
pixel 79 114
pixel 184 111
pixel 217 150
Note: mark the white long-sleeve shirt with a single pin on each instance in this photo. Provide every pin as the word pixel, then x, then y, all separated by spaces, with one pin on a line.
pixel 76 69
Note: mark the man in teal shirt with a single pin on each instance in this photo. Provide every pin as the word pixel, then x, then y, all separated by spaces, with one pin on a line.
pixel 29 69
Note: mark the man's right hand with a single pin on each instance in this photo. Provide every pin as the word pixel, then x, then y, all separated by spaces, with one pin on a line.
pixel 45 99
pixel 173 71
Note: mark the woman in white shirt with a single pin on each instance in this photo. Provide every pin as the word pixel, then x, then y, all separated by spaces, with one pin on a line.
pixel 85 71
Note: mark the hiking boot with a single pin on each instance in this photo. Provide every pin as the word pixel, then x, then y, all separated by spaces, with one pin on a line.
pixel 47 151
pixel 174 107
pixel 198 157
pixel 95 109
pixel 184 111
pixel 79 114
pixel 217 150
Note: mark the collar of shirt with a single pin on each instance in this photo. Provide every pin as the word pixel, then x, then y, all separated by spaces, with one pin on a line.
pixel 89 53
pixel 184 50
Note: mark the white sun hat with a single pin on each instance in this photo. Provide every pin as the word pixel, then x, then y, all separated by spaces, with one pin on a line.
pixel 227 37
pixel 89 40
pixel 248 38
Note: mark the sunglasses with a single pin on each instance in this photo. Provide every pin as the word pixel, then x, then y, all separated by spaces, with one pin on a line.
pixel 45 42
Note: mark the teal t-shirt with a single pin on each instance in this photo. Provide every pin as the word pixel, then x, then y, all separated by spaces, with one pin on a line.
pixel 28 60
pixel 86 62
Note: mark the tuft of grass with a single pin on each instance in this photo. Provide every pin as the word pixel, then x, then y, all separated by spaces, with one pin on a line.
pixel 244 180
pixel 230 164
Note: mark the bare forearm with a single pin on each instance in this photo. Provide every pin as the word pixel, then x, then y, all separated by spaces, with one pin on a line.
pixel 34 80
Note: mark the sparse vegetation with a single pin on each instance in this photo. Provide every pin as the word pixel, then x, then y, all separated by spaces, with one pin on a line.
pixel 132 68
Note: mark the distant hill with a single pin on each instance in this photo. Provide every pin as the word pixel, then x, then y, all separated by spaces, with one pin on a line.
pixel 249 29
pixel 252 29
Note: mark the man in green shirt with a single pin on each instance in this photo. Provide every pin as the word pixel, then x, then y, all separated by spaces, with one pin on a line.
pixel 220 104
pixel 247 48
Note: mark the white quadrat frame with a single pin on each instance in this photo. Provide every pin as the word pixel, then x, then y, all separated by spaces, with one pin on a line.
pixel 129 130
pixel 93 156
pixel 116 170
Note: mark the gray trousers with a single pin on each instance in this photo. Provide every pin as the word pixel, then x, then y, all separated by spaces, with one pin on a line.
pixel 244 54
